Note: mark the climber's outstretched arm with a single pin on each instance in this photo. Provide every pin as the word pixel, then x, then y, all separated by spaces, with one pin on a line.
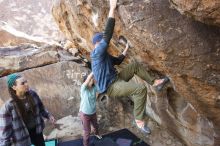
pixel 109 28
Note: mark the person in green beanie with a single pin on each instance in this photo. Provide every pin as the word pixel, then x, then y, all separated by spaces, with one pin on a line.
pixel 21 117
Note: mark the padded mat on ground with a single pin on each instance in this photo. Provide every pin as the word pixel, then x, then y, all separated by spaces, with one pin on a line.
pixel 122 137
pixel 50 143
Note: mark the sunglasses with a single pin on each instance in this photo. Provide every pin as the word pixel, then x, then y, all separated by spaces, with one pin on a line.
pixel 24 82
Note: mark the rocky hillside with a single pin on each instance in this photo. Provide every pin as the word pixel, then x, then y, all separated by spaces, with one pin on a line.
pixel 30 19
pixel 170 44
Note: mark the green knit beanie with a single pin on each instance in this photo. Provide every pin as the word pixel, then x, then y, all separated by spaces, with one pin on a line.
pixel 12 78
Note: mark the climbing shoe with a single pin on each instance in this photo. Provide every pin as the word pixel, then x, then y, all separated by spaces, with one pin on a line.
pixel 98 136
pixel 160 86
pixel 142 127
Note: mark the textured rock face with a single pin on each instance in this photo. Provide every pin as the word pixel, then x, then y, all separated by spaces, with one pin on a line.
pixel 173 45
pixel 26 56
pixel 202 10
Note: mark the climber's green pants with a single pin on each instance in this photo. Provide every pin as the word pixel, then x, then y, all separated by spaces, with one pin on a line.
pixel 122 87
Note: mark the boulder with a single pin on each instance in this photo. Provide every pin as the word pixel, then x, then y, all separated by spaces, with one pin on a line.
pixel 26 56
pixel 171 45
pixel 205 11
